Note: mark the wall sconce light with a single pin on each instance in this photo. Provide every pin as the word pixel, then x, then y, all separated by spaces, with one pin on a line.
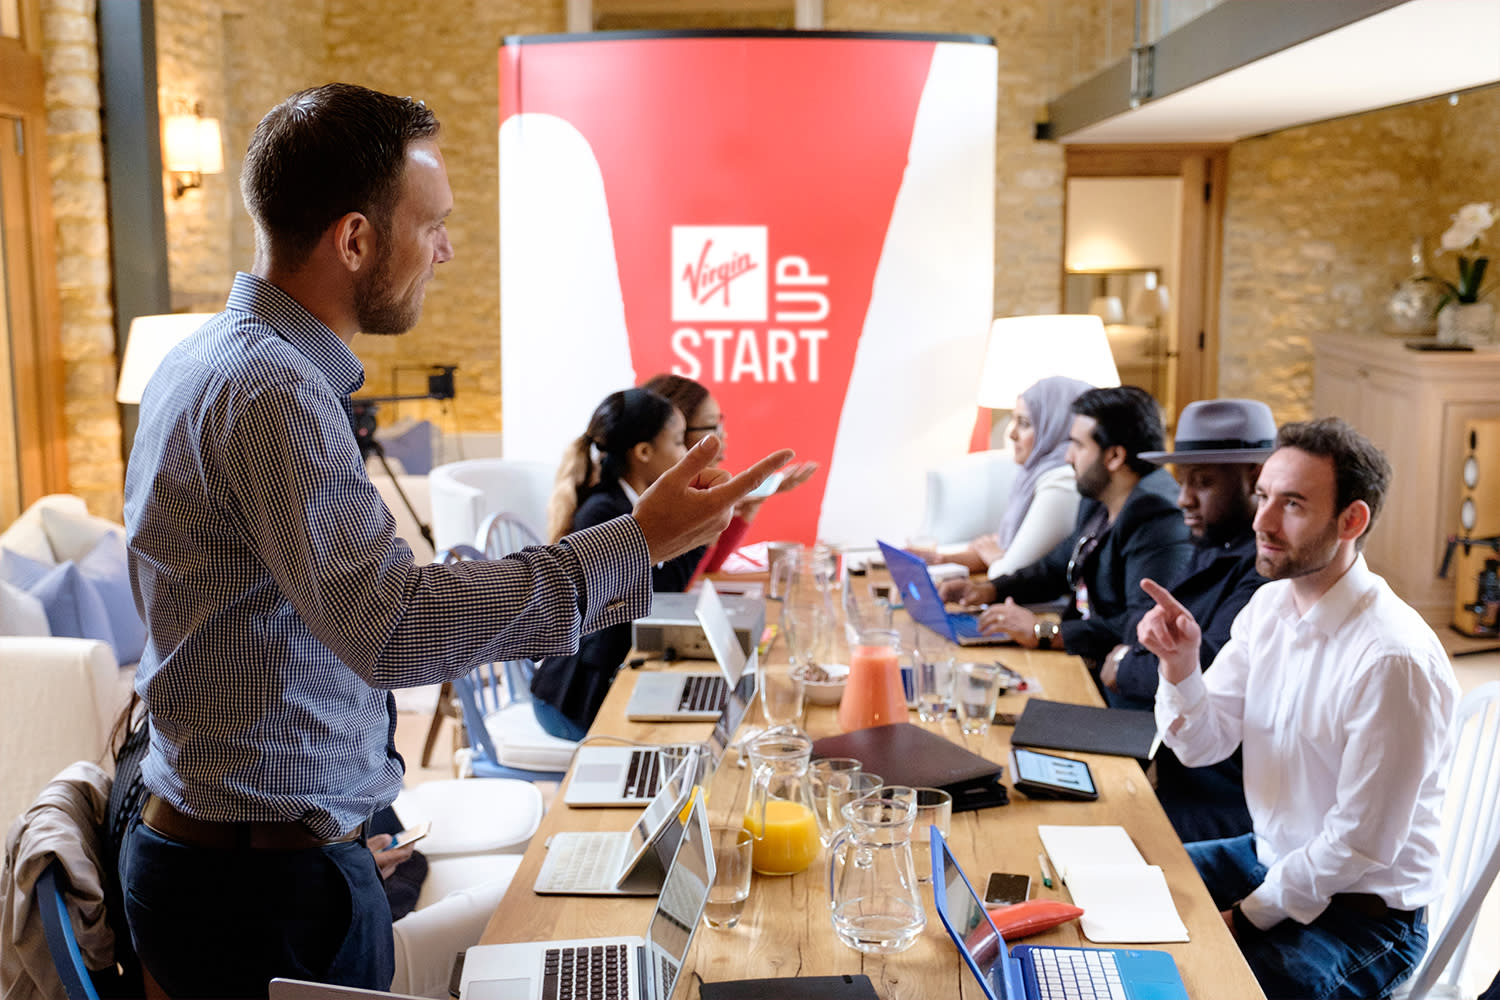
pixel 192 147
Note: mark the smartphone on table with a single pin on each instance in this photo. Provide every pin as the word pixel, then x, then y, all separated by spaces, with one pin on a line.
pixel 1006 888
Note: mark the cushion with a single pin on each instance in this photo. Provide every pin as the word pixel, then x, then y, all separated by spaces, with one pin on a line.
pixel 21 570
pixel 104 566
pixel 28 535
pixel 74 533
pixel 20 613
pixel 73 606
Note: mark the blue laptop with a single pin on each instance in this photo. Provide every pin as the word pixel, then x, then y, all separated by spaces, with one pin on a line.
pixel 1041 972
pixel 920 596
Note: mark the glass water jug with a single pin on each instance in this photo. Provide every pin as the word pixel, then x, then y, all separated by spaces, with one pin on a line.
pixel 872 885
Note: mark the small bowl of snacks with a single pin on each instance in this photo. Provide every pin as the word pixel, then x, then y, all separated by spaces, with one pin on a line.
pixel 823 682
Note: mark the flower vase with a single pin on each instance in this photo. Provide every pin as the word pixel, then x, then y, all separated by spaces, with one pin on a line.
pixel 1466 323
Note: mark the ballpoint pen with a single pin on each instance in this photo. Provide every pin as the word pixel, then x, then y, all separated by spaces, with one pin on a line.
pixel 1047 878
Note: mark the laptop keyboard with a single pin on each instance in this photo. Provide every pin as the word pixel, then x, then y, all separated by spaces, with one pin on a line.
pixel 965 626
pixel 703 693
pixel 595 972
pixel 584 861
pixel 1072 974
pixel 644 775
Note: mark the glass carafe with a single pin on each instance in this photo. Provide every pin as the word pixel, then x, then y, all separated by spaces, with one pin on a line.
pixel 780 813
pixel 873 695
pixel 872 886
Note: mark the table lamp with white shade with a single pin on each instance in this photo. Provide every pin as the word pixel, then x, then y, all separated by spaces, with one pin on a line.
pixel 1026 349
pixel 148 342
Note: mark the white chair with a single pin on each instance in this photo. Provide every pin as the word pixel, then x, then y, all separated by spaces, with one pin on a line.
pixel 472 817
pixel 464 493
pixel 967 496
pixel 1471 848
pixel 415 490
pixel 58 699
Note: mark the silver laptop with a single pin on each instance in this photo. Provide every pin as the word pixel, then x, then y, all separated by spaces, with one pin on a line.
pixel 628 776
pixel 621 862
pixel 683 697
pixel 630 968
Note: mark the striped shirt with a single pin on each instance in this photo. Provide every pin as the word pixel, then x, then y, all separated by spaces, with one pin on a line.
pixel 281 606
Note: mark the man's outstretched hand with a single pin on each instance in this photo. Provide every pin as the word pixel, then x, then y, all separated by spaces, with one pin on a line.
pixel 1171 632
pixel 691 504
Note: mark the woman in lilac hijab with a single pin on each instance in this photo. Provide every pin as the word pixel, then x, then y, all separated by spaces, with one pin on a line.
pixel 1044 499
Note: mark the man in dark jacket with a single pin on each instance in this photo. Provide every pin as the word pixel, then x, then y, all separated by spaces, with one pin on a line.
pixel 1220 446
pixel 1128 528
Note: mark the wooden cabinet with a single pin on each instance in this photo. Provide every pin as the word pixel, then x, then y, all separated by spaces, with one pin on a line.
pixel 1413 405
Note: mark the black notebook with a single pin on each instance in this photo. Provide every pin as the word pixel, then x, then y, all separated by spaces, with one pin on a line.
pixel 794 988
pixel 1057 725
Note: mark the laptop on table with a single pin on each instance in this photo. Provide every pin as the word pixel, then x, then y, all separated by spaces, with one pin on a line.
pixel 631 968
pixel 920 596
pixel 621 862
pixel 625 775
pixel 1041 972
pixel 685 697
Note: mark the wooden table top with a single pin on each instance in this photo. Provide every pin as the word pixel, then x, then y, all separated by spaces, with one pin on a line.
pixel 786 930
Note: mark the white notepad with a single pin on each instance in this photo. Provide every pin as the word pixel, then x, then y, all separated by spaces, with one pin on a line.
pixel 1124 900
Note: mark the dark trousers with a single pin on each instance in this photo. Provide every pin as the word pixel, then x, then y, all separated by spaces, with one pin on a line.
pixel 1342 953
pixel 224 923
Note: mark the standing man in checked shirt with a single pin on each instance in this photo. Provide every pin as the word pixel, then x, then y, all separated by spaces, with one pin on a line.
pixel 1343 699
pixel 281 606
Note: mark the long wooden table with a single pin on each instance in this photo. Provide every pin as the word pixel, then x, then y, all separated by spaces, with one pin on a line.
pixel 786 930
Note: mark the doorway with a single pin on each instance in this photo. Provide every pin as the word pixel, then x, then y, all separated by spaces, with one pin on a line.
pixel 1142 234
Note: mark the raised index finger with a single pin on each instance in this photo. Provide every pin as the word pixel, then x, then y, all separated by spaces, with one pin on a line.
pixel 1164 600
pixel 737 488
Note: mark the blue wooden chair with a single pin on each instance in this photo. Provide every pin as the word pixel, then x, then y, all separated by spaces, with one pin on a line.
pixel 58 929
pixel 524 750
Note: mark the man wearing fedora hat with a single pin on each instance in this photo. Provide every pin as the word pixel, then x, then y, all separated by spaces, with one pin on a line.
pixel 1217 454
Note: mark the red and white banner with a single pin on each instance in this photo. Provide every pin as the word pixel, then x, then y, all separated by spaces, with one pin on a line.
pixel 803 222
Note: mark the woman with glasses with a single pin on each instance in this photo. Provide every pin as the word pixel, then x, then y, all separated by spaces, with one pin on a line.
pixel 633 437
pixel 1044 500
pixel 703 417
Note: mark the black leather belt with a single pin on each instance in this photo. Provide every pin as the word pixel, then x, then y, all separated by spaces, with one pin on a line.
pixel 259 835
pixel 1367 904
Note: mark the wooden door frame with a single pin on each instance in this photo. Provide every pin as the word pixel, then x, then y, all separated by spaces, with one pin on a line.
pixel 1203 169
pixel 35 343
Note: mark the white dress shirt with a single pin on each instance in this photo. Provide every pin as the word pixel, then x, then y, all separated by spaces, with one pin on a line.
pixel 1345 717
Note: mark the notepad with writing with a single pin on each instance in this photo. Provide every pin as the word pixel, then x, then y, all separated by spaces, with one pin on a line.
pixel 1124 900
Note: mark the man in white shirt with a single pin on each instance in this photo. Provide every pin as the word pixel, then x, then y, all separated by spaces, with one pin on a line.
pixel 1342 698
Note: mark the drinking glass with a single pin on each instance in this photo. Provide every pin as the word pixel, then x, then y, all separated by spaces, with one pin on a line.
pixel 857 785
pixel 827 774
pixel 733 847
pixel 934 687
pixel 781 695
pixel 934 809
pixel 977 686
pixel 782 559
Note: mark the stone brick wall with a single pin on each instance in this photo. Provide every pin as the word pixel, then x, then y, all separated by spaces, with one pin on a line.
pixel 71 64
pixel 1318 227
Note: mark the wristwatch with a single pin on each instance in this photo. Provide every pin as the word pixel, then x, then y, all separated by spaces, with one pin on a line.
pixel 1045 632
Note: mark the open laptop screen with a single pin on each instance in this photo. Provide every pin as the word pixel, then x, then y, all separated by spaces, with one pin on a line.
pixel 970 926
pixel 680 906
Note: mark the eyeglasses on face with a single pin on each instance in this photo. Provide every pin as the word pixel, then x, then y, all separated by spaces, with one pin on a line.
pixel 715 429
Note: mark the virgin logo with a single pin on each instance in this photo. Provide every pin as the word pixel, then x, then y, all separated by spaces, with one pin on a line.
pixel 705 279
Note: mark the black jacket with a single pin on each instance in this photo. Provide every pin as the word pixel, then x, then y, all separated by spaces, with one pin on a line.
pixel 575 685
pixel 1147 539
pixel 1203 803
